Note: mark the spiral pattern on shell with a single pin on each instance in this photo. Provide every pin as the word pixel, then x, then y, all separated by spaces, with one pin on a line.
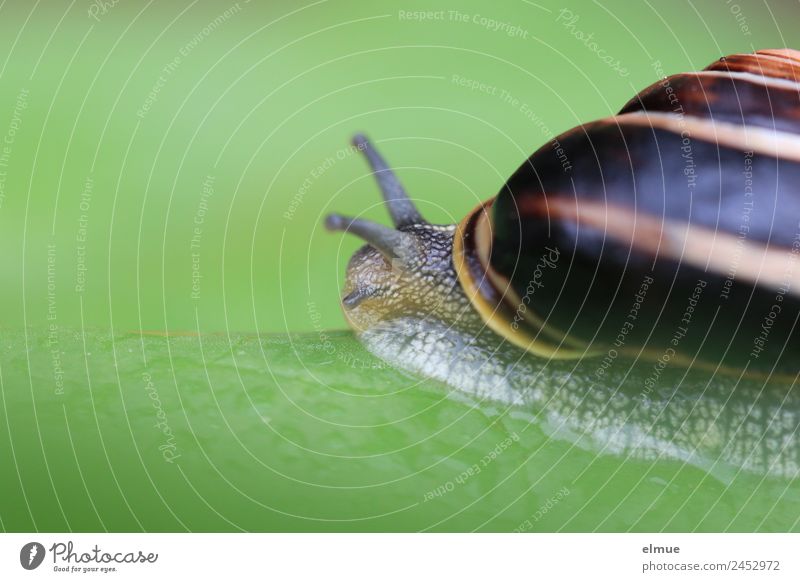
pixel 676 224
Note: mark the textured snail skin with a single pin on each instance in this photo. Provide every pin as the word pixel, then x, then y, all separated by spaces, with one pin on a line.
pixel 421 322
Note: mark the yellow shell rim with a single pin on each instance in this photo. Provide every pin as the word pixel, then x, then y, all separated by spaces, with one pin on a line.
pixel 496 316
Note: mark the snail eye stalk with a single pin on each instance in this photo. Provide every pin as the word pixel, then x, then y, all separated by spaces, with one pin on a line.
pixel 401 208
pixel 393 244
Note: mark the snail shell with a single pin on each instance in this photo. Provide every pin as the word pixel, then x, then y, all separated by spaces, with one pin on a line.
pixel 676 223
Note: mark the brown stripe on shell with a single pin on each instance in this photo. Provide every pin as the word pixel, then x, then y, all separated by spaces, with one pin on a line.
pixel 684 168
pixel 717 250
pixel 761 63
pixel 791 54
pixel 778 144
pixel 741 98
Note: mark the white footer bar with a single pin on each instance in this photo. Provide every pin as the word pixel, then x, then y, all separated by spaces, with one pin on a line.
pixel 387 557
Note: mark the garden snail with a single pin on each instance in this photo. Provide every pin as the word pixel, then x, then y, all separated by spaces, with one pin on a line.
pixel 663 238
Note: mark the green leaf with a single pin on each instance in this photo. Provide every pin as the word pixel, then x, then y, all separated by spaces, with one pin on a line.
pixel 130 432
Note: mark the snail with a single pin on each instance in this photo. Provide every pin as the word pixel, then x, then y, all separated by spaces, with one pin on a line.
pixel 619 258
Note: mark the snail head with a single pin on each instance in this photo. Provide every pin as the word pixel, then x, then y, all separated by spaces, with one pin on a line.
pixel 402 271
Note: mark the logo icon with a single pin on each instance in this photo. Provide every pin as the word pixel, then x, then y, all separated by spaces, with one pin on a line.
pixel 31 555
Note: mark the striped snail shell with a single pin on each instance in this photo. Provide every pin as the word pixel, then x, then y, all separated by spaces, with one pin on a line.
pixel 615 259
pixel 677 224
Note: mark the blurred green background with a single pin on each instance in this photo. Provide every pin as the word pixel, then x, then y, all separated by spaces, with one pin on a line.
pixel 166 166
pixel 257 96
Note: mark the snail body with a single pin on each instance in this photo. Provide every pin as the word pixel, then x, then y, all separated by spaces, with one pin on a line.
pixel 667 244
